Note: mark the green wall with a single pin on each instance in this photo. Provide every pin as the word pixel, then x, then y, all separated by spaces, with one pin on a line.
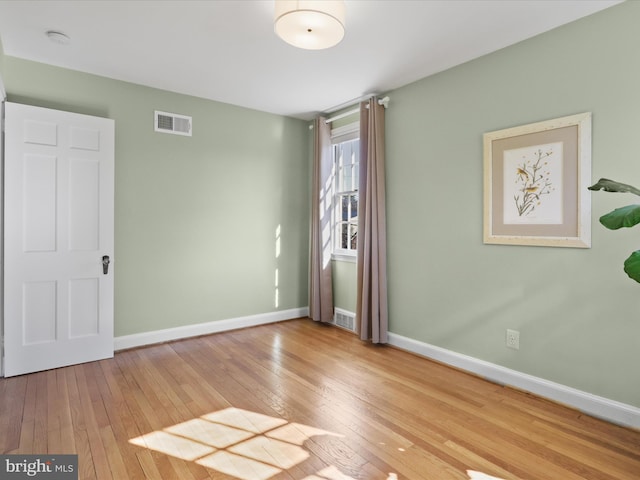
pixel 196 218
pixel 576 310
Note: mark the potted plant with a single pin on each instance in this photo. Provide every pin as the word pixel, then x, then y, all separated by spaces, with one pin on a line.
pixel 622 217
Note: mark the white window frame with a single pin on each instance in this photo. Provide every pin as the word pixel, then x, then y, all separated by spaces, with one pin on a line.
pixel 340 135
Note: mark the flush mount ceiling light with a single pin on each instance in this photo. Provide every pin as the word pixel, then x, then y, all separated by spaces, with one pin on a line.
pixel 58 37
pixel 310 24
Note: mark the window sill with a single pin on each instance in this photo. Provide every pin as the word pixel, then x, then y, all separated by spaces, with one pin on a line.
pixel 344 257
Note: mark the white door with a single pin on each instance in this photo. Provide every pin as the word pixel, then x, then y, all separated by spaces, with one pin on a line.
pixel 58 226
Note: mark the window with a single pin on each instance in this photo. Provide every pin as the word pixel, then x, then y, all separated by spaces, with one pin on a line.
pixel 346 160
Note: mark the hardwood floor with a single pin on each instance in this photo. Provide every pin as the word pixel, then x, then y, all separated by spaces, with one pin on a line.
pixel 297 400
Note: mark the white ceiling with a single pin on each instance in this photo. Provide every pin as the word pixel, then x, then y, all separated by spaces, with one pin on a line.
pixel 226 50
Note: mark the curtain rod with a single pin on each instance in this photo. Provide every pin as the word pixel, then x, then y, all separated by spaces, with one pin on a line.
pixel 353 102
pixel 381 101
pixel 342 115
pixel 350 103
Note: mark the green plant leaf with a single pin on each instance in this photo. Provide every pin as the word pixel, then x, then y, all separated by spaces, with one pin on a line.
pixel 632 266
pixel 613 186
pixel 621 217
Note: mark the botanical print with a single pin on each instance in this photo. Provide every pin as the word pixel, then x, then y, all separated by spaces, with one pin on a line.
pixel 533 185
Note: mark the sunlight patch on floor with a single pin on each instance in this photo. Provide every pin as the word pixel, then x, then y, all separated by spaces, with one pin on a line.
pixel 473 475
pixel 245 420
pixel 329 473
pixel 172 445
pixel 296 433
pixel 238 466
pixel 244 444
pixel 268 450
pixel 209 433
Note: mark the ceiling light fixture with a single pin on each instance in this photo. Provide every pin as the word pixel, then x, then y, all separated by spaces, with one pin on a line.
pixel 310 24
pixel 58 37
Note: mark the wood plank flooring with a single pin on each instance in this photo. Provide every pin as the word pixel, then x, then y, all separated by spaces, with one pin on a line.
pixel 300 401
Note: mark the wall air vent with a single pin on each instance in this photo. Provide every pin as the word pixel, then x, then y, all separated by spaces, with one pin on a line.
pixel 172 123
pixel 344 319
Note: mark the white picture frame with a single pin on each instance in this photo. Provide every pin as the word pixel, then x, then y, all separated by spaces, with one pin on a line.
pixel 535 184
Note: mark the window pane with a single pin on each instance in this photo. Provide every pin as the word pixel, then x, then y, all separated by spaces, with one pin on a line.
pixel 344 235
pixel 354 237
pixel 344 200
pixel 347 179
pixel 338 159
pixel 345 196
pixel 356 176
pixel 354 206
pixel 346 157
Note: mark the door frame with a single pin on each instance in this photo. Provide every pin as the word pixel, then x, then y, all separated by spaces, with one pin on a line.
pixel 3 97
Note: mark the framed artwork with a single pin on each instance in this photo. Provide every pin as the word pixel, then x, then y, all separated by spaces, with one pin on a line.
pixel 535 183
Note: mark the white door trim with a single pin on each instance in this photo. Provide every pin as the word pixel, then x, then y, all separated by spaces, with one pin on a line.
pixel 2 102
pixel 3 97
pixel 3 92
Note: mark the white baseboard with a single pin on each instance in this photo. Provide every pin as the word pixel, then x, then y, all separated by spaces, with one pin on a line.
pixel 604 408
pixel 166 335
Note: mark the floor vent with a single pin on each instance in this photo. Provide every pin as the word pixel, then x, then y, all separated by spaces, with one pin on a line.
pixel 344 319
pixel 172 123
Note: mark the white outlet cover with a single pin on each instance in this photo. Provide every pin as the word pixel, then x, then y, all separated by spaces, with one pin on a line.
pixel 513 339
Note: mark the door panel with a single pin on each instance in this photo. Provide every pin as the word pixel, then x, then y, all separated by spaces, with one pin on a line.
pixel 59 174
pixel 39 314
pixel 84 201
pixel 39 203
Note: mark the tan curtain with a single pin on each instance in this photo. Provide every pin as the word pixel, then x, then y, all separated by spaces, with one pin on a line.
pixel 371 308
pixel 321 292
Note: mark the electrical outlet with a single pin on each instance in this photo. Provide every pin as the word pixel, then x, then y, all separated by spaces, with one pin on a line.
pixel 513 339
